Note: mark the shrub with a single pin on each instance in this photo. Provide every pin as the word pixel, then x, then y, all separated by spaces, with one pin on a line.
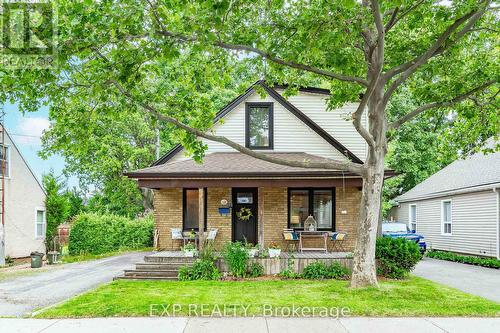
pixel 396 257
pixel 97 234
pixel 319 270
pixel 471 260
pixel 289 274
pixel 255 269
pixel 200 270
pixel 236 257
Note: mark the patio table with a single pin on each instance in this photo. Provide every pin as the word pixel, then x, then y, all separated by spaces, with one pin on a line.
pixel 304 234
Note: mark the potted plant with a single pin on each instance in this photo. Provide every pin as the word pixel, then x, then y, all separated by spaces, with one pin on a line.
pixel 274 250
pixel 189 250
pixel 251 249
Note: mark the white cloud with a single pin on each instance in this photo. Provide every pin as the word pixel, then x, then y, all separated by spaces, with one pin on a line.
pixel 29 130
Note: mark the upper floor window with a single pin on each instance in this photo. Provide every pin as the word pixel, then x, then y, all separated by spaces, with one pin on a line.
pixel 5 160
pixel 259 125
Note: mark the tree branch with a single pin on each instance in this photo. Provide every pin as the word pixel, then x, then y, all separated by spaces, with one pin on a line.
pixel 437 48
pixel 265 54
pixel 395 19
pixel 397 123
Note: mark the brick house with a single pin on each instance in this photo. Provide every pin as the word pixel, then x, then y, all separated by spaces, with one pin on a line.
pixel 227 184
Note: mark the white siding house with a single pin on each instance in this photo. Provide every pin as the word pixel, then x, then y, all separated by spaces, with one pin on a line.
pixel 457 209
pixel 25 217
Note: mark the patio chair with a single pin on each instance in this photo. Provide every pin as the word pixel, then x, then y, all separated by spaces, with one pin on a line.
pixel 211 234
pixel 291 239
pixel 338 240
pixel 177 235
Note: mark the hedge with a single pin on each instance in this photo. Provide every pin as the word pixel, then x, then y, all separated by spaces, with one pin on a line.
pixel 471 260
pixel 396 257
pixel 97 234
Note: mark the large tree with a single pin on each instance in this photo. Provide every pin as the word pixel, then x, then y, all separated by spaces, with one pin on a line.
pixel 445 54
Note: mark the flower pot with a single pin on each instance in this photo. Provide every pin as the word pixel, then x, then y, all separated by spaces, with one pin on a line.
pixel 189 253
pixel 52 257
pixel 274 253
pixel 252 253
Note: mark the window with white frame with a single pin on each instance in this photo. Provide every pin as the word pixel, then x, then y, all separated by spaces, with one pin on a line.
pixel 413 217
pixel 5 160
pixel 40 223
pixel 446 217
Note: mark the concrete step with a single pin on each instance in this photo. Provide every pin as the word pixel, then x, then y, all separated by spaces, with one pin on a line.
pixel 163 273
pixel 160 266
pixel 123 277
pixel 169 259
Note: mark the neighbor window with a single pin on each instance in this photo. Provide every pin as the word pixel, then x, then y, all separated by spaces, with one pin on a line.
pixel 446 216
pixel 259 125
pixel 5 160
pixel 191 209
pixel 413 217
pixel 40 223
pixel 316 202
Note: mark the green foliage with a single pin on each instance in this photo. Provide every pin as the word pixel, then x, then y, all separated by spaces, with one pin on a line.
pixel 207 251
pixel 288 274
pixel 200 270
pixel 397 257
pixel 119 196
pixel 319 270
pixel 97 234
pixel 255 269
pixel 57 205
pixel 485 262
pixel 236 258
pixel 76 204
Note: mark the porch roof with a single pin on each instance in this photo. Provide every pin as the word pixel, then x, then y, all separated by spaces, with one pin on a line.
pixel 237 169
pixel 236 165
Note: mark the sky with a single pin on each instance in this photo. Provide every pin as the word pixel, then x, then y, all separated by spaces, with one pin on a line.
pixel 26 130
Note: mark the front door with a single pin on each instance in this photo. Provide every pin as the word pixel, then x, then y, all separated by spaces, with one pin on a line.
pixel 245 215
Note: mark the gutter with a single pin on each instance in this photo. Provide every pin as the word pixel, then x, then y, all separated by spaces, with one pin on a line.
pixel 497 191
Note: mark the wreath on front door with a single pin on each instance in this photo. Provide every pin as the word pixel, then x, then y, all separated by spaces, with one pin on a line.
pixel 244 214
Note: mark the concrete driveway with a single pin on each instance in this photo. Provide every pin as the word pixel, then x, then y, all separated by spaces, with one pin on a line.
pixel 20 296
pixel 471 279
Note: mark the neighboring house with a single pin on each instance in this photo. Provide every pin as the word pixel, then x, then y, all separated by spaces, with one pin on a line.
pixel 278 197
pixel 457 209
pixel 25 217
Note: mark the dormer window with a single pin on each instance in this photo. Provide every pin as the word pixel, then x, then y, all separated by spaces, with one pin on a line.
pixel 259 125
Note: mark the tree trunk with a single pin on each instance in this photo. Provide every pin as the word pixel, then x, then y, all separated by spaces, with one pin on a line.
pixel 364 270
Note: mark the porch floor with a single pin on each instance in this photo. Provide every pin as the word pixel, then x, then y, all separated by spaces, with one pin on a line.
pixel 284 255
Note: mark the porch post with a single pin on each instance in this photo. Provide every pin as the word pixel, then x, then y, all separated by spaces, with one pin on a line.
pixel 201 217
pixel 260 208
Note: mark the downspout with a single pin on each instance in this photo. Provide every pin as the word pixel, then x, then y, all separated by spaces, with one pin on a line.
pixel 497 191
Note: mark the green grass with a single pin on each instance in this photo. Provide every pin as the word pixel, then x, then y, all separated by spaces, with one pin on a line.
pixel 412 297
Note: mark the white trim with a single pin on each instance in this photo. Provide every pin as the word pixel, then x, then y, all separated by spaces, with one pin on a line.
pixel 44 228
pixel 442 217
pixel 409 216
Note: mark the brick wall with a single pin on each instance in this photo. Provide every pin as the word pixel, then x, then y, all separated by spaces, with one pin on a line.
pixel 214 219
pixel 168 214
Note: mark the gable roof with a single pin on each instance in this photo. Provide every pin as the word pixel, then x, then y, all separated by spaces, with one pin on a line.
pixel 473 173
pixel 22 157
pixel 287 105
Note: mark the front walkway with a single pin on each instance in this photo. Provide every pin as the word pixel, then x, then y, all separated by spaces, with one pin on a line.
pixel 21 295
pixel 476 280
pixel 252 325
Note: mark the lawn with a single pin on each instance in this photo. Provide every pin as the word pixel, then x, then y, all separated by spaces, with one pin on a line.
pixel 412 297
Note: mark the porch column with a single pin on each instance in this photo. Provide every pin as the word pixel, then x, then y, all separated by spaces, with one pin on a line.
pixel 260 200
pixel 201 217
